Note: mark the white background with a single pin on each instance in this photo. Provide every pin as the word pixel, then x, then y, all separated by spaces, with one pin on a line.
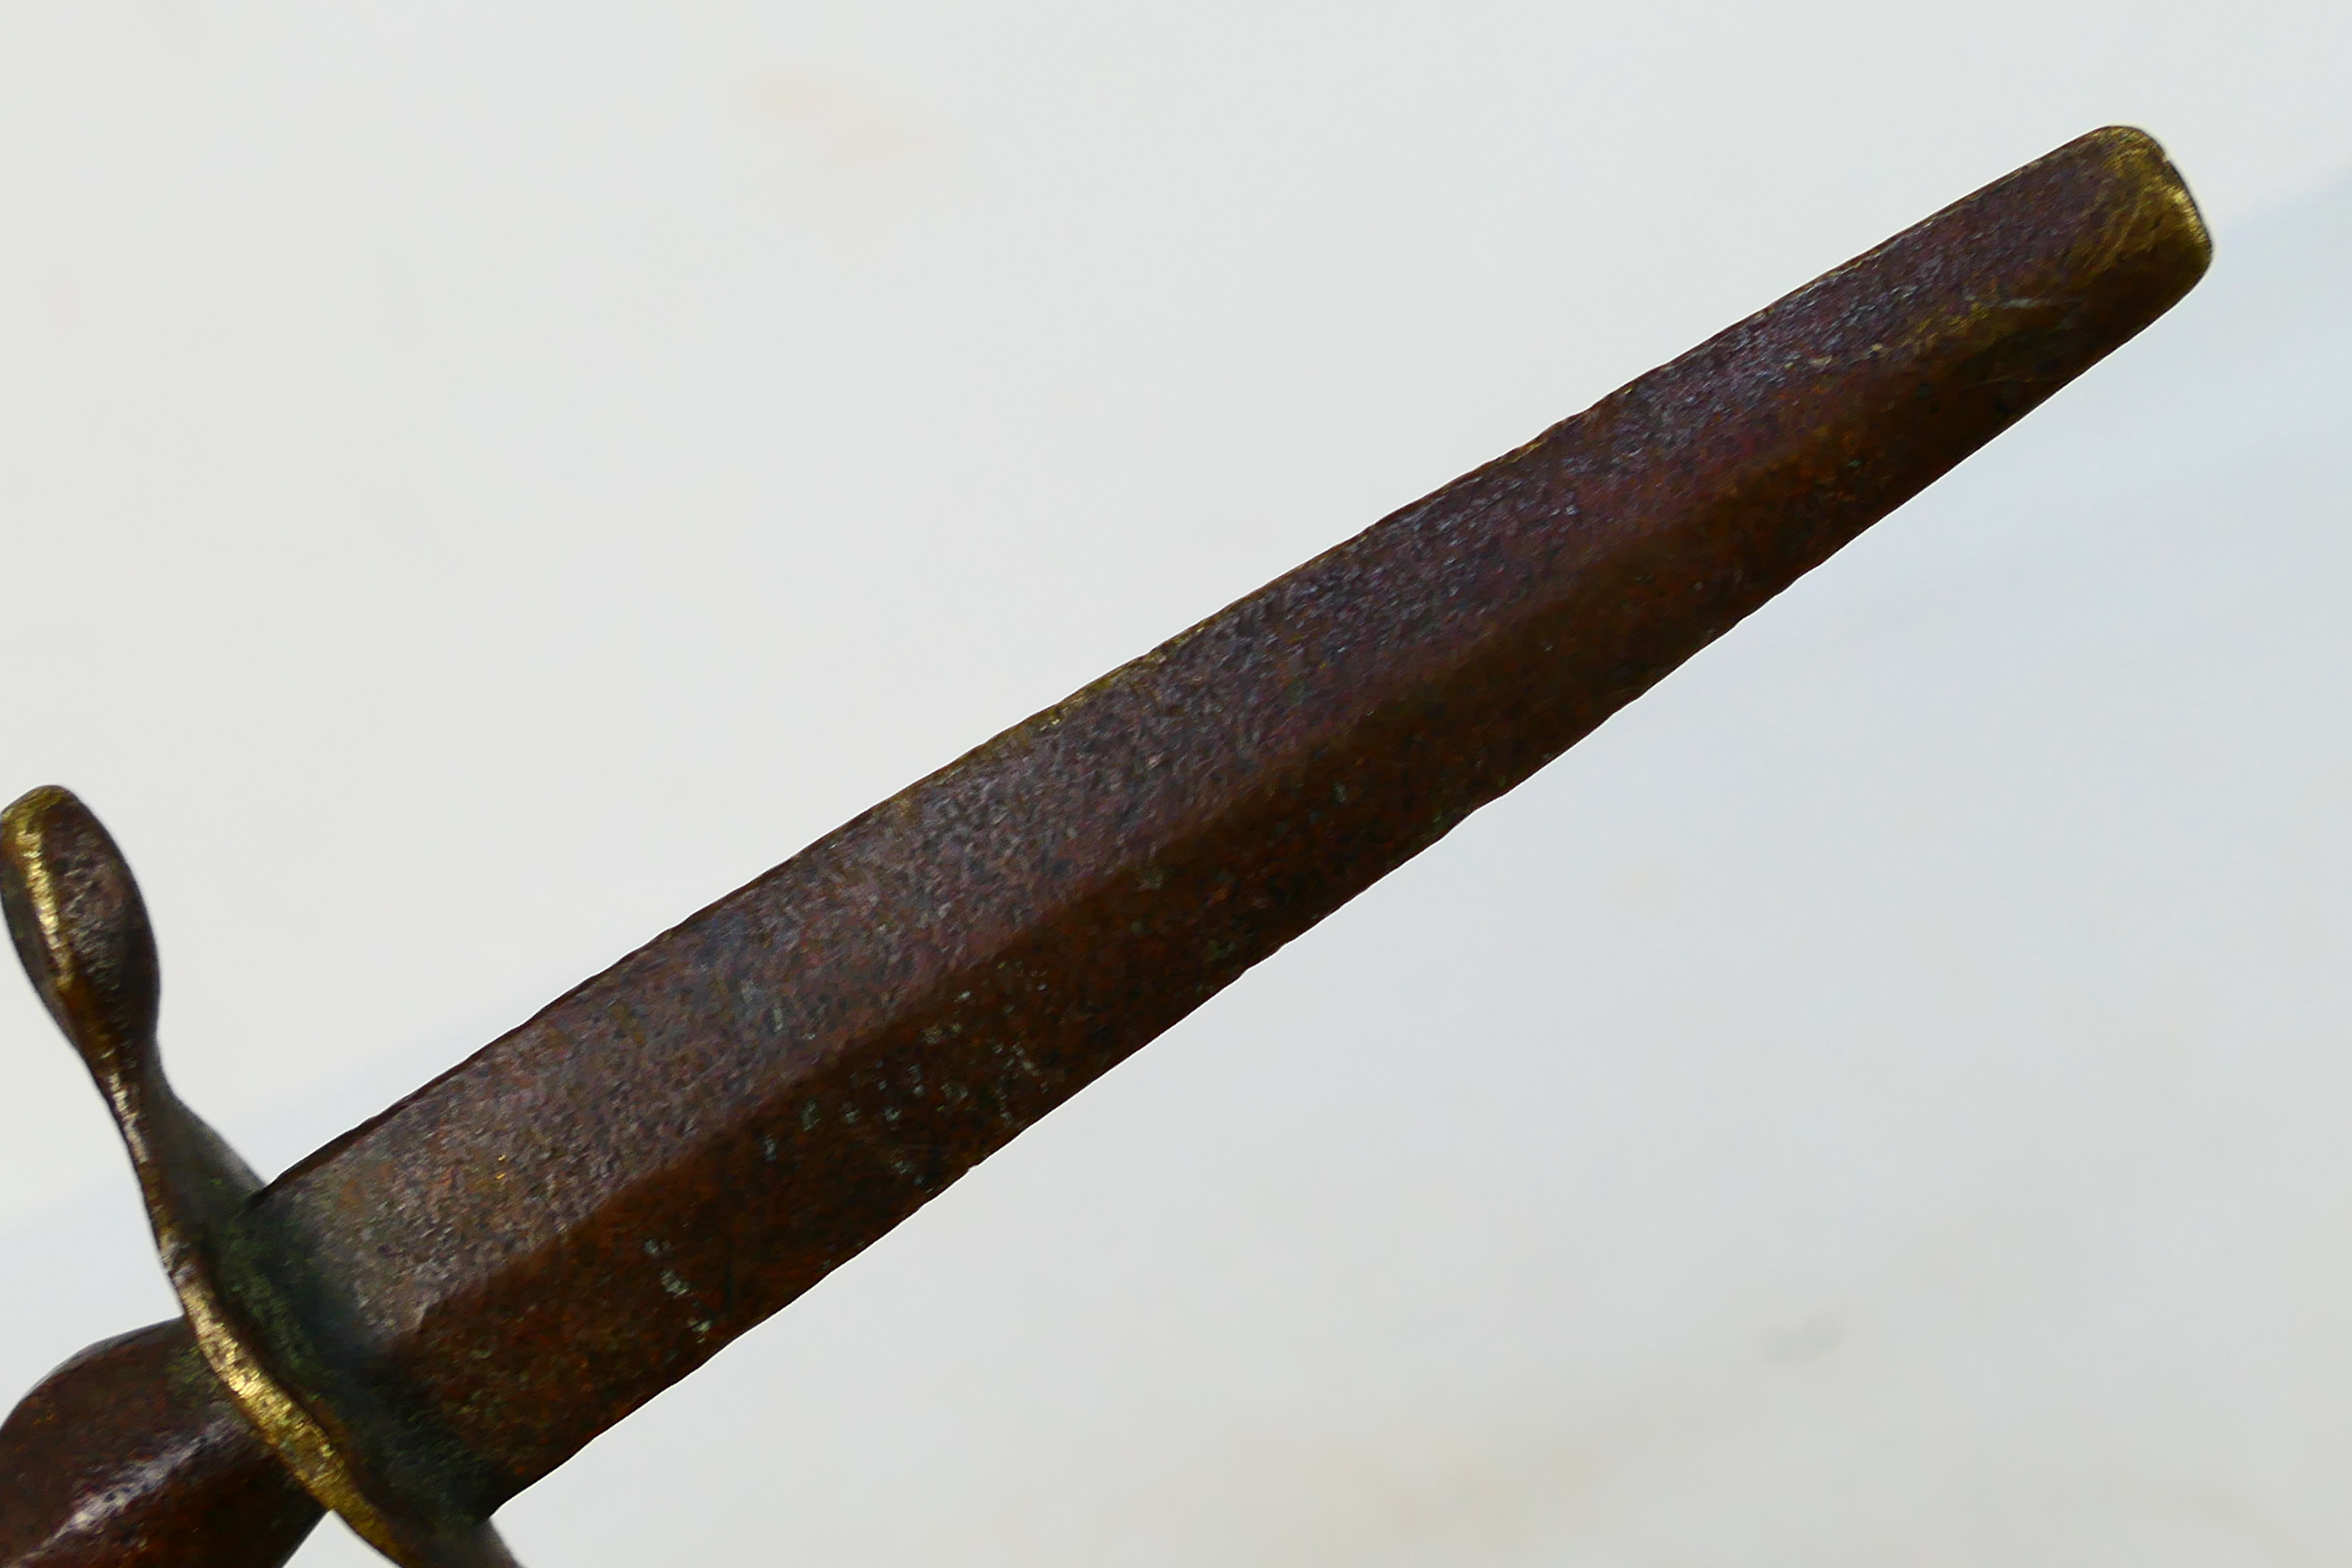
pixel 477 482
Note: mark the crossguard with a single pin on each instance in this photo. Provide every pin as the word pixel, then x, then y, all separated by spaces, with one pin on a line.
pixel 81 930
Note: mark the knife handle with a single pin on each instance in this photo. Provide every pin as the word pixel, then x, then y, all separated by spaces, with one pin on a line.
pixel 132 1455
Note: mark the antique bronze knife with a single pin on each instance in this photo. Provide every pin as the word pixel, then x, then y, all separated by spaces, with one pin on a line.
pixel 440 1307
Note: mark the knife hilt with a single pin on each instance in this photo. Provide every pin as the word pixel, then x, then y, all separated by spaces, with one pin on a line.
pixel 81 930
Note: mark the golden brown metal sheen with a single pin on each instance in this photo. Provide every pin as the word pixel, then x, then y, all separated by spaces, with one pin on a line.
pixel 516 1257
pixel 81 930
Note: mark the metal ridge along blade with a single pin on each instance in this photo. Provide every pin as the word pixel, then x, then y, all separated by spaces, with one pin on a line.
pixel 522 1252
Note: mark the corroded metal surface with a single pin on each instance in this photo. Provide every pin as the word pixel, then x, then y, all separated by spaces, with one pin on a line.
pixel 82 929
pixel 513 1258
pixel 132 1455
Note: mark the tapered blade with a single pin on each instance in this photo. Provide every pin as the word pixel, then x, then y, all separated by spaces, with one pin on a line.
pixel 520 1254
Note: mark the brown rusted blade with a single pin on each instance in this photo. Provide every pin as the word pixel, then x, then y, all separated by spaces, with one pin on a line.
pixel 517 1256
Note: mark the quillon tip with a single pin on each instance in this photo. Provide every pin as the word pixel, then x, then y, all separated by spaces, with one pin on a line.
pixel 79 926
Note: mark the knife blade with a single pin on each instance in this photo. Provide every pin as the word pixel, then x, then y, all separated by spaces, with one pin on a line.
pixel 514 1257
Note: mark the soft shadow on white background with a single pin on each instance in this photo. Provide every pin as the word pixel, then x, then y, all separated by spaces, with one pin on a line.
pixel 479 485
